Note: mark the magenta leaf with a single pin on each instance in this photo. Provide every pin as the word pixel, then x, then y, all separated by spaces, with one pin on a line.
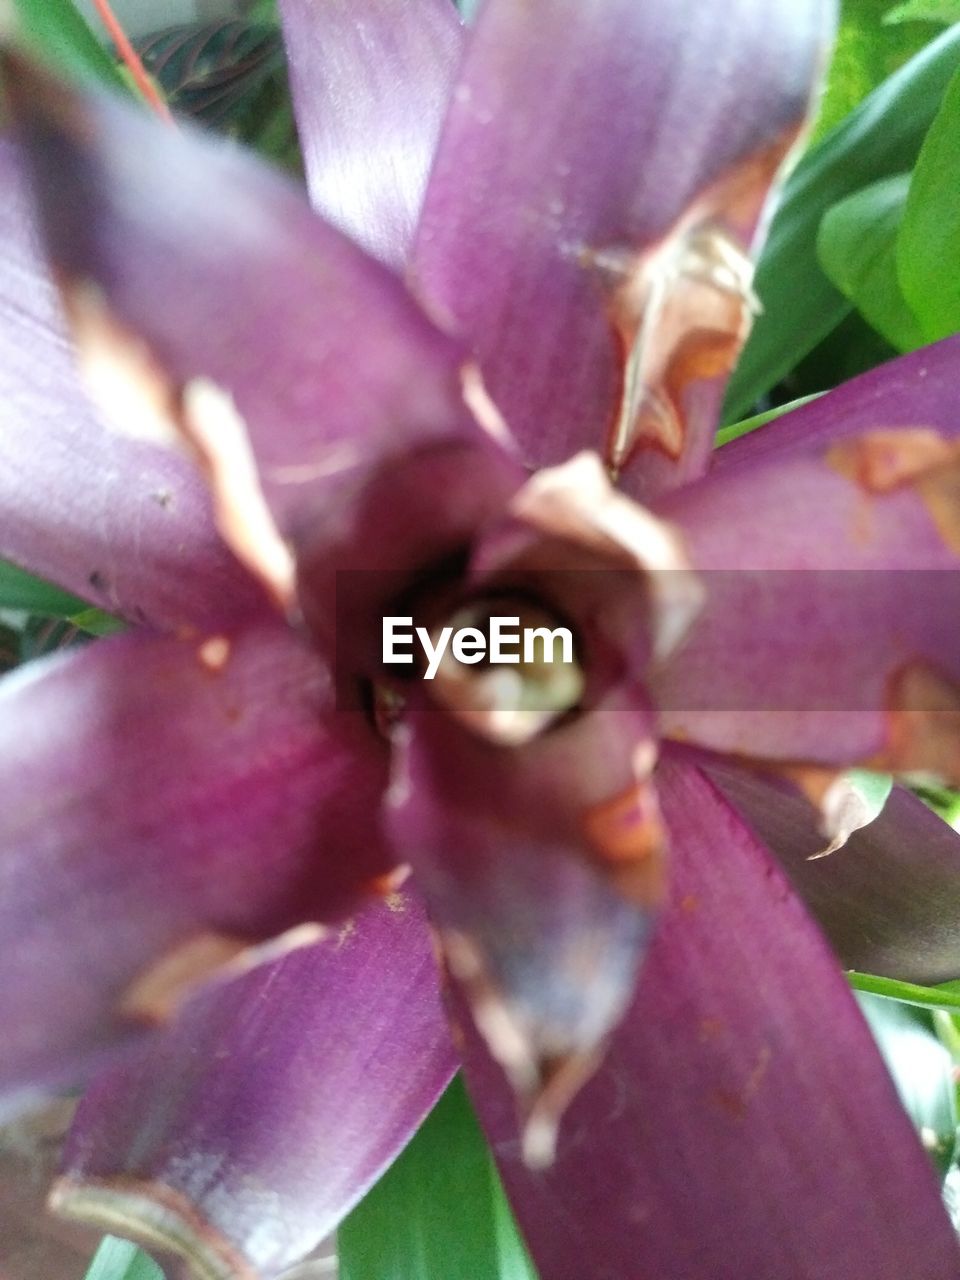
pixel 198 795
pixel 370 85
pixel 599 162
pixel 889 899
pixel 111 519
pixel 743 1124
pixel 241 1136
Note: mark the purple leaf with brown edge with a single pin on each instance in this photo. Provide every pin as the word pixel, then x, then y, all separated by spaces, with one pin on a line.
pixel 832 597
pixel 543 902
pixel 741 1072
pixel 199 796
pixel 911 392
pixel 889 900
pixel 587 226
pixel 239 1137
pixel 114 520
pixel 295 417
pixel 370 85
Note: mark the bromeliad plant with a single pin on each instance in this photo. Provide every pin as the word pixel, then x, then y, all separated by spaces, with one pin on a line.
pixel 496 392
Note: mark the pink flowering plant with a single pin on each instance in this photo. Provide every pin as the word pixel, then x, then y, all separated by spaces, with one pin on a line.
pixel 263 890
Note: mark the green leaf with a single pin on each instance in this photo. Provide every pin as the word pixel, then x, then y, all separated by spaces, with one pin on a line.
pixel 928 246
pixel 121 1260
pixel 881 137
pixel 18 590
pixel 439 1211
pixel 922 1070
pixel 57 31
pixel 942 800
pixel 857 249
pixel 850 349
pixel 10 648
pixel 947 1027
pixel 944 11
pixel 262 11
pixel 746 425
pixel 945 996
pixel 874 788
pixel 97 623
pixel 868 49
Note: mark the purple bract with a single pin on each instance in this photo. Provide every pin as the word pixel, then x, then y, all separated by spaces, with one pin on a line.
pixel 499 395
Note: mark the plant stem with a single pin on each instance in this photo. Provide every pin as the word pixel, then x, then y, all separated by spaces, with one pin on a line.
pixel 131 60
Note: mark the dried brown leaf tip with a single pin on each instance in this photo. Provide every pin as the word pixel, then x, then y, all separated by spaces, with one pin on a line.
pixel 127 383
pixel 139 398
pixel 683 309
pixel 840 803
pixel 155 995
pixel 577 503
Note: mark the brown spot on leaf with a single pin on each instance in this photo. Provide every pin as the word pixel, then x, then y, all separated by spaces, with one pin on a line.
pixel 895 458
pixel 924 724
pixel 737 1101
pixel 41 102
pixel 218 433
pixel 140 398
pixel 155 995
pixel 628 837
pixel 889 459
pixel 813 780
pixel 214 653
pixel 731 1102
pixel 385 886
pixel 940 491
pixel 135 394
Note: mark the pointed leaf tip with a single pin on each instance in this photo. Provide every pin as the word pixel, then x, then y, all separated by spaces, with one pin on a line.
pixel 530 899
pixel 248 269
pixel 371 80
pixel 240 1136
pixel 725 1103
pixel 597 191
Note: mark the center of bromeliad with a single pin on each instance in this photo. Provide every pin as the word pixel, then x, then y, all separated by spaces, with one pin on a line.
pixel 504 665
